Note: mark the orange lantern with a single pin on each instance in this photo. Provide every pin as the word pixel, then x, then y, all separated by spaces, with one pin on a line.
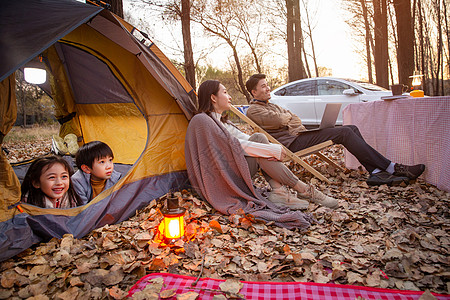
pixel 172 226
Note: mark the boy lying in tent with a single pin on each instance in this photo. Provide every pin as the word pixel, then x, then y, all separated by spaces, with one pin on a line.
pixel 95 170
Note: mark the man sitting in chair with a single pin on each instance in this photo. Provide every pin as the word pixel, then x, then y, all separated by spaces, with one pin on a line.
pixel 287 128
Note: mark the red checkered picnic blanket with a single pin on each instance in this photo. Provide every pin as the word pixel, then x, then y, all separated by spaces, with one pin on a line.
pixel 279 290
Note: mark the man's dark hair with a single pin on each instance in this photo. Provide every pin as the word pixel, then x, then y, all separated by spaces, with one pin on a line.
pixel 252 82
pixel 91 151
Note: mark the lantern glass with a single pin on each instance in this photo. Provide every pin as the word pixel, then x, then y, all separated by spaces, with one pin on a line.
pixel 35 75
pixel 417 80
pixel 172 227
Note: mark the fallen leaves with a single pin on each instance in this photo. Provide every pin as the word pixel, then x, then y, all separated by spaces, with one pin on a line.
pixel 378 237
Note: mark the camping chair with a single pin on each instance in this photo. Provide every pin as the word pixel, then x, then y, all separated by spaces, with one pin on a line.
pixel 296 157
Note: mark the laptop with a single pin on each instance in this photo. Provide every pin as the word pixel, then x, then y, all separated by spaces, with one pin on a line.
pixel 329 116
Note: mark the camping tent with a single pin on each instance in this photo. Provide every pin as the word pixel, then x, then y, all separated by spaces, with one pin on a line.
pixel 106 85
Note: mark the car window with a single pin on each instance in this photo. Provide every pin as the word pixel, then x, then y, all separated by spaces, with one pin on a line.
pixel 297 89
pixel 368 86
pixel 331 87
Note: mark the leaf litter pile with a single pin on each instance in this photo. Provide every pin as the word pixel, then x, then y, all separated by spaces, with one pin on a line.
pixel 386 237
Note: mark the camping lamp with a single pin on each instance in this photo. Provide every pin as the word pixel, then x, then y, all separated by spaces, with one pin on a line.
pixel 416 79
pixel 172 226
pixel 34 71
pixel 416 84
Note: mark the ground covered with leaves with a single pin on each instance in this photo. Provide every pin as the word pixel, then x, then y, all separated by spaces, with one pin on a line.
pixel 387 237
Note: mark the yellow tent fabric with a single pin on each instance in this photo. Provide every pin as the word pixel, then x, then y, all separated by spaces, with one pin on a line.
pixel 8 105
pixel 9 183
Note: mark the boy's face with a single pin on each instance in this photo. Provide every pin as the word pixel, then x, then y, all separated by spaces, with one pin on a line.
pixel 101 168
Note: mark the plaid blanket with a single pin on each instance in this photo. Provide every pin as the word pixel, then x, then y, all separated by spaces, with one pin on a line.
pixel 279 290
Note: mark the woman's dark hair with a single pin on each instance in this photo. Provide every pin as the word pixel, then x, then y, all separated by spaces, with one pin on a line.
pixel 205 90
pixel 87 153
pixel 34 195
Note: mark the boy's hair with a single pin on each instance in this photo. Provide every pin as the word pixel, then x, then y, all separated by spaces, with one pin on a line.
pixel 252 82
pixel 34 195
pixel 91 151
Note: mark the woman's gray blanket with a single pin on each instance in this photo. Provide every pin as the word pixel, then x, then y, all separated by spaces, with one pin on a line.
pixel 219 172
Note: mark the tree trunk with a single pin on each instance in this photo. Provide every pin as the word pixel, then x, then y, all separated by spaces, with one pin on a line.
pixel 308 71
pixel 368 37
pixel 381 43
pixel 447 31
pixel 422 49
pixel 298 39
pixel 405 33
pixel 294 41
pixel 439 45
pixel 290 39
pixel 116 7
pixel 313 50
pixel 189 67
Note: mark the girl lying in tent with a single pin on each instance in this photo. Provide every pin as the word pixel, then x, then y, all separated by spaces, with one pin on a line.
pixel 47 184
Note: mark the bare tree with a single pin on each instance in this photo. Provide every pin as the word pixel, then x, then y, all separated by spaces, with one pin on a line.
pixel 254 19
pixel 446 16
pixel 296 69
pixel 229 21
pixel 420 53
pixel 309 31
pixel 439 57
pixel 381 42
pixel 189 66
pixel 175 10
pixel 368 38
pixel 405 34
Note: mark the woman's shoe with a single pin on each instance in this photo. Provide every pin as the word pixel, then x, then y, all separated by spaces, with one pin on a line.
pixel 316 196
pixel 283 197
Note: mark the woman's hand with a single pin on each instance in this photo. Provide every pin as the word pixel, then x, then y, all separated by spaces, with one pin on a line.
pixel 282 156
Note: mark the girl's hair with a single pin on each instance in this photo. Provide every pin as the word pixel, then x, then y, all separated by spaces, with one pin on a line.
pixel 34 195
pixel 205 91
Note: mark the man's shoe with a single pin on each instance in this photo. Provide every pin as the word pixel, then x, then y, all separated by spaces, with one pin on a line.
pixel 412 172
pixel 316 196
pixel 384 177
pixel 283 197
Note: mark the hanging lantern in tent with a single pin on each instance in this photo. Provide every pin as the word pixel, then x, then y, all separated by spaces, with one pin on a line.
pixel 34 71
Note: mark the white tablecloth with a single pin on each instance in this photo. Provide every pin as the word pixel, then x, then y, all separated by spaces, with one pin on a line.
pixel 408 131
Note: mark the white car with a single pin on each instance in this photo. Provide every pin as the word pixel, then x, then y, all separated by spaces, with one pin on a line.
pixel 307 97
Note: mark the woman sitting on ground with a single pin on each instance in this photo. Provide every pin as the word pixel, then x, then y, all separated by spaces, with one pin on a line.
pixel 221 161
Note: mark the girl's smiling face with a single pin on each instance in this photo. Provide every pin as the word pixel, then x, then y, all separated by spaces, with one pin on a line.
pixel 54 181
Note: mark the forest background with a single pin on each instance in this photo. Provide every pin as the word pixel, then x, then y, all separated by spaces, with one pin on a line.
pixel 229 40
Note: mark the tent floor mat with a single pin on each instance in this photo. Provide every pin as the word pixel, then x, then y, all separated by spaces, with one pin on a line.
pixel 278 290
